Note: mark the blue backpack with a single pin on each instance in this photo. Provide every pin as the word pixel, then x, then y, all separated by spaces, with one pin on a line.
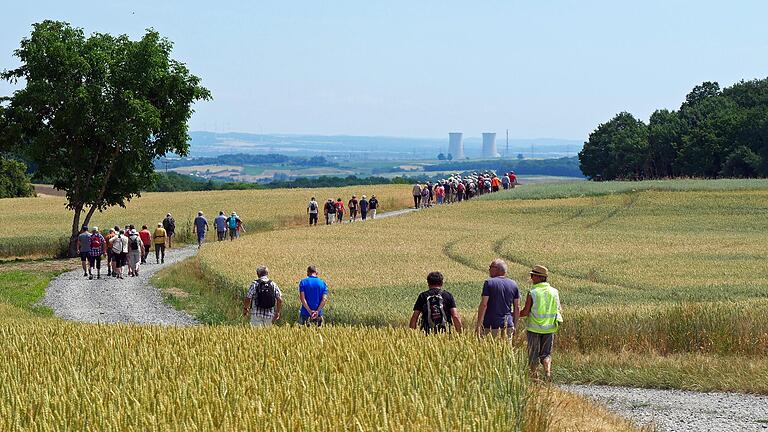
pixel 232 222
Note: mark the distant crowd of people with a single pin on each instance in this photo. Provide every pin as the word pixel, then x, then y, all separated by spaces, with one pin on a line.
pixel 334 210
pixel 458 188
pixel 129 247
pixel 435 309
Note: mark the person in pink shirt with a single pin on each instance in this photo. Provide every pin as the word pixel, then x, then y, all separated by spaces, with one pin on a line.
pixel 440 194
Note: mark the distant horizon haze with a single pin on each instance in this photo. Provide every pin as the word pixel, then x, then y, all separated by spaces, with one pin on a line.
pixel 423 69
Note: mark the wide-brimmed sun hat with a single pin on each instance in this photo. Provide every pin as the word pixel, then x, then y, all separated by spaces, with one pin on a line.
pixel 539 270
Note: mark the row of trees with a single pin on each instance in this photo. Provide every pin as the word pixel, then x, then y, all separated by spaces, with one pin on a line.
pixel 715 133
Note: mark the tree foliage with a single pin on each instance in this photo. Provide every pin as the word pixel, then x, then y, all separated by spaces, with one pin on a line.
pixel 715 133
pixel 14 182
pixel 96 111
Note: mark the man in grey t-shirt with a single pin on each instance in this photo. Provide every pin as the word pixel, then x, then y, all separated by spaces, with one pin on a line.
pixel 221 226
pixel 499 307
pixel 84 248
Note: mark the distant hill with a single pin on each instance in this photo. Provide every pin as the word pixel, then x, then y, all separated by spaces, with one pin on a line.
pixel 367 147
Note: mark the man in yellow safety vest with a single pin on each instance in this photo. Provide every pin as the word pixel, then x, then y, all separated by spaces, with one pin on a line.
pixel 542 307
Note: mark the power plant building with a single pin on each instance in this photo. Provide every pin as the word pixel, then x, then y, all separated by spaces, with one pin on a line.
pixel 456 145
pixel 489 145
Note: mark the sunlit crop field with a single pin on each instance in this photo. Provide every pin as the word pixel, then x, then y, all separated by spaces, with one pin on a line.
pixel 42 225
pixel 622 261
pixel 66 376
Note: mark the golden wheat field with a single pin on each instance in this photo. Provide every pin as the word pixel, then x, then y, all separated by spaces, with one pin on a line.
pixel 40 226
pixel 662 272
pixel 66 376
pixel 643 247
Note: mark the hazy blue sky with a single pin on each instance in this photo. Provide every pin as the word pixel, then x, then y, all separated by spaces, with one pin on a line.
pixel 542 68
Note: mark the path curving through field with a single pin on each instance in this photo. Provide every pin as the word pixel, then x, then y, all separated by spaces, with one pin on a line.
pixel 132 300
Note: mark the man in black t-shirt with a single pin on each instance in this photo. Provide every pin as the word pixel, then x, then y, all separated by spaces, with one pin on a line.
pixel 437 307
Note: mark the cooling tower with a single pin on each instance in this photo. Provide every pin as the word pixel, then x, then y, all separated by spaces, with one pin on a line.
pixel 456 145
pixel 489 145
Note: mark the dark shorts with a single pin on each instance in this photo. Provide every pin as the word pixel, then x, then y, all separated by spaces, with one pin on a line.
pixel 84 256
pixel 95 261
pixel 305 321
pixel 539 347
pixel 120 259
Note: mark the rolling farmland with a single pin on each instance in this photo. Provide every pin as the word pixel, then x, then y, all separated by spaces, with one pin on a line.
pixel 41 226
pixel 660 287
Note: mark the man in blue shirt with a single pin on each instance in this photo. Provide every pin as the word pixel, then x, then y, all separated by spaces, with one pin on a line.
pixel 313 294
pixel 499 307
pixel 200 227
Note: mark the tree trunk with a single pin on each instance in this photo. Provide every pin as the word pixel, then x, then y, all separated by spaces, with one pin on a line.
pixel 87 220
pixel 72 249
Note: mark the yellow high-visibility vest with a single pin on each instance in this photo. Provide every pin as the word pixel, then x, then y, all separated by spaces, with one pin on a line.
pixel 545 314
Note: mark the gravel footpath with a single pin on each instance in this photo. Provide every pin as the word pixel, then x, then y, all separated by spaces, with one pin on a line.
pixel 678 410
pixel 108 300
pixel 131 300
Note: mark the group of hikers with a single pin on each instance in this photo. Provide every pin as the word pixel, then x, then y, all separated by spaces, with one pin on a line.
pixel 224 224
pixel 334 210
pixel 457 188
pixel 435 309
pixel 123 247
pixel 129 247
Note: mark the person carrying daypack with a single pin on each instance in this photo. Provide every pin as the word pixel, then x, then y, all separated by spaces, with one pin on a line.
pixel 263 301
pixel 98 248
pixel 135 250
pixel 234 223
pixel 312 210
pixel 436 307
pixel 169 225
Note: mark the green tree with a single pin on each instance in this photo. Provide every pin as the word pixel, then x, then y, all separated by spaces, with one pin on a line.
pixel 665 136
pixel 712 124
pixel 14 181
pixel 616 149
pixel 96 111
pixel 741 163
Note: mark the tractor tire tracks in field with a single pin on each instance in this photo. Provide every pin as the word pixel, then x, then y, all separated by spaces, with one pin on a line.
pixel 135 300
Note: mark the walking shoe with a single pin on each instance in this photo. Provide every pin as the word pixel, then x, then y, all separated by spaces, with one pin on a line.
pixel 90 277
pixel 162 261
pixel 85 273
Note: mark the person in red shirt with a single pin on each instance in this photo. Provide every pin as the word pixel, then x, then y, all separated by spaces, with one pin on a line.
pixel 146 238
pixel 512 179
pixel 340 210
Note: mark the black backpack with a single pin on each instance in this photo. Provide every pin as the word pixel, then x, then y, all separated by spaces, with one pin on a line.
pixel 134 243
pixel 434 315
pixel 312 206
pixel 265 296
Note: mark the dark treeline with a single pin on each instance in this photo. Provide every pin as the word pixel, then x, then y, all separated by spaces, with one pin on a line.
pixel 715 133
pixel 175 182
pixel 246 159
pixel 568 167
